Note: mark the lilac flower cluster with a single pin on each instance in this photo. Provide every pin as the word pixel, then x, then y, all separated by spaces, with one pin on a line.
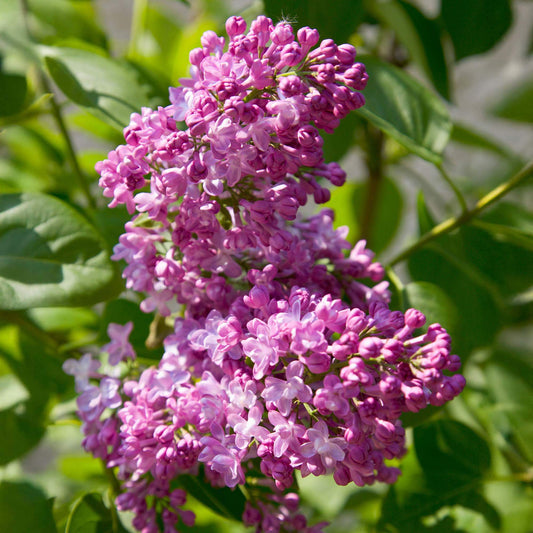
pixel 222 191
pixel 281 357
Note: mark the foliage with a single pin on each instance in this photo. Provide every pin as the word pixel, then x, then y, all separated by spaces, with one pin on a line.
pixel 66 83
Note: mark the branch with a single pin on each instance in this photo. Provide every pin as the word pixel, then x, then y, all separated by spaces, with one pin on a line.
pixel 455 222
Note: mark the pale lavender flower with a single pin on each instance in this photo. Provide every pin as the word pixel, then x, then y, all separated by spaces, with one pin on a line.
pixel 82 369
pixel 119 349
pixel 329 450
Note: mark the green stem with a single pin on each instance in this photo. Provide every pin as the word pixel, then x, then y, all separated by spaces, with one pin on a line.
pixel 456 191
pixel 58 117
pixel 454 222
pixel 398 285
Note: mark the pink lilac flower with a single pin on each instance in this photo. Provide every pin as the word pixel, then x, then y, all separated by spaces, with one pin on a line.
pixel 284 354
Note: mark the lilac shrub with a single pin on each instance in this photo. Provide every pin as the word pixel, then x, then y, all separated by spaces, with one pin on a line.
pixel 284 354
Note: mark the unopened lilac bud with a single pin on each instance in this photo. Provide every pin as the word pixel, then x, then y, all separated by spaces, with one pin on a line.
pixel 196 55
pixel 346 54
pixel 251 515
pixel 414 318
pixel 164 433
pixel 370 347
pixel 291 501
pixel 385 431
pixel 282 34
pixel 257 298
pixel 454 363
pixel 308 37
pixel 356 77
pixel 342 475
pixel 235 26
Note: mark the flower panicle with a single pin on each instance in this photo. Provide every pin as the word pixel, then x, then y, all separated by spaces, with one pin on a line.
pixel 284 355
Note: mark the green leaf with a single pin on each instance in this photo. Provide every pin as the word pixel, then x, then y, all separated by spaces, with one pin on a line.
pixel 87 122
pixel 110 223
pixel 509 223
pixel 434 303
pixel 409 500
pixel 24 508
pixel 337 24
pixel 447 469
pixel 446 265
pixel 50 255
pixel 64 19
pixel 15 177
pixel 451 454
pixel 500 257
pixel 63 318
pixel 83 468
pixel 515 104
pixel 12 392
pixel 404 109
pixel 22 431
pixel 40 373
pixel 509 377
pixel 475 26
pixel 12 93
pixel 420 35
pixel 104 86
pixel 223 501
pixel 90 515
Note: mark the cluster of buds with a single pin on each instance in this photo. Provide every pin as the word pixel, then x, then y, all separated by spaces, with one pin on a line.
pixel 284 355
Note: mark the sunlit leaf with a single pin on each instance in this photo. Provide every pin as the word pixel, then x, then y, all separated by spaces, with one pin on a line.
pixel 63 318
pixel 102 85
pixel 50 255
pixel 404 109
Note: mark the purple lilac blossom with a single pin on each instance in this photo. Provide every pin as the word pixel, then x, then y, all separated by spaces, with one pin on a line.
pixel 284 355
